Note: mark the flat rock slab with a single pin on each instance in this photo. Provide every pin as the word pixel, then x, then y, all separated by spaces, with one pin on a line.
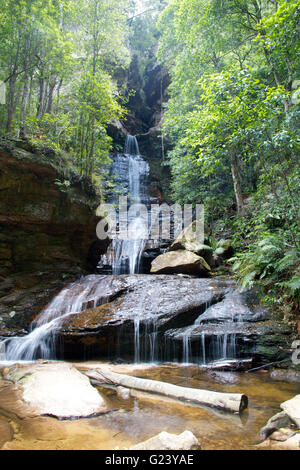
pixel 292 409
pixel 167 441
pixel 58 390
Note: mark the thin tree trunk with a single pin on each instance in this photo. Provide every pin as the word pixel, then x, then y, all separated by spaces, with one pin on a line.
pixel 237 185
pixel 30 95
pixel 58 94
pixel 24 99
pixel 11 101
pixel 12 89
pixel 41 98
pixel 50 97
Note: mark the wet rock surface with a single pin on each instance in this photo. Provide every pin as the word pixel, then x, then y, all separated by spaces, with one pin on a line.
pixel 235 327
pixel 168 318
pixel 236 307
pixel 144 318
pixel 154 304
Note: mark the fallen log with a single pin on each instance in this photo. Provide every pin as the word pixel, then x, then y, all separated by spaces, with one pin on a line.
pixel 234 402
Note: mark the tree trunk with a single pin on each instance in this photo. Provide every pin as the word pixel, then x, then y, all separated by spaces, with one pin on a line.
pixel 58 95
pixel 50 97
pixel 11 102
pixel 233 402
pixel 41 98
pixel 237 185
pixel 30 95
pixel 12 89
pixel 24 99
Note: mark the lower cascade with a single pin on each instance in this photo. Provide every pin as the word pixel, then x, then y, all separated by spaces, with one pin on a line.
pixel 142 319
pixel 41 341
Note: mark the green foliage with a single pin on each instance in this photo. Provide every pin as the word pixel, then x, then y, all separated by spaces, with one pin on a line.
pixel 273 263
pixel 58 59
pixel 234 127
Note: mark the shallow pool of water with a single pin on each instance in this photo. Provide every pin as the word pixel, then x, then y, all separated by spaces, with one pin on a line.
pixel 142 416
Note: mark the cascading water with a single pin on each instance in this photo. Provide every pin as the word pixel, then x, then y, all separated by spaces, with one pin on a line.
pixel 41 341
pixel 220 342
pixel 132 171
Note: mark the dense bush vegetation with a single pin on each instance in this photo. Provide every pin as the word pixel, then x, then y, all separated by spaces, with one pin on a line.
pixel 58 60
pixel 233 117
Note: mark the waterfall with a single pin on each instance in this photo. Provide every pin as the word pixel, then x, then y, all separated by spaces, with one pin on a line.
pixel 186 349
pixel 216 342
pixel 124 255
pixel 131 146
pixel 137 355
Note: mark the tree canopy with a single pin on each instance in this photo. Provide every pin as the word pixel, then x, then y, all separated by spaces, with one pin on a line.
pixel 58 61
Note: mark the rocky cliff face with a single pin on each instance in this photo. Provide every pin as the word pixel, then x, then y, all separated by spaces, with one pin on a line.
pixel 48 231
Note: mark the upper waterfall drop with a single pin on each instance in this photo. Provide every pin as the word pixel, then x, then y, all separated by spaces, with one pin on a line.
pixel 131 146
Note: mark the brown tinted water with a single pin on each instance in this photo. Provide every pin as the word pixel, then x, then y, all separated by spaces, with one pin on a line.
pixel 143 416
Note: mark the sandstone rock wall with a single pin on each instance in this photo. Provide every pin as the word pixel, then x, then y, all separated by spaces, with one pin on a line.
pixel 47 231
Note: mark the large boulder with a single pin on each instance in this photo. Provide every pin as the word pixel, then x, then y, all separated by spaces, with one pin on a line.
pixel 180 262
pixel 292 409
pixel 57 389
pixel 188 240
pixel 167 441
